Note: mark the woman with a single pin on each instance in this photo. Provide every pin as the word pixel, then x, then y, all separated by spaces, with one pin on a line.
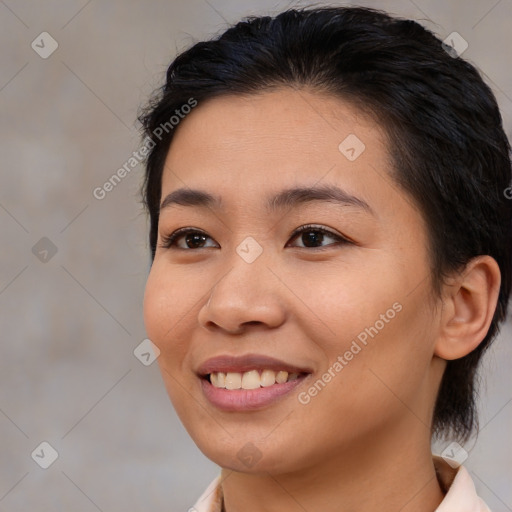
pixel 331 249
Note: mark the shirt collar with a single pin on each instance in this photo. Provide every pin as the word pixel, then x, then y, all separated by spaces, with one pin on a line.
pixel 461 494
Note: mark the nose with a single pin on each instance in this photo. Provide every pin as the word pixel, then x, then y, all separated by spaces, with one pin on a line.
pixel 246 294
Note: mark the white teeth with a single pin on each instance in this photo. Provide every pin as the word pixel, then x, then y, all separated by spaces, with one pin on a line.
pixel 281 377
pixel 218 379
pixel 252 379
pixel 268 378
pixel 233 380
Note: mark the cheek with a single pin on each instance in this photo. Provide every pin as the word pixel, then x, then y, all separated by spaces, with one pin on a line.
pixel 166 322
pixel 154 308
pixel 379 328
pixel 375 384
pixel 165 311
pixel 350 302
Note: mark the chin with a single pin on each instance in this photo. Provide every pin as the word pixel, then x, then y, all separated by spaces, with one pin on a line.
pixel 239 453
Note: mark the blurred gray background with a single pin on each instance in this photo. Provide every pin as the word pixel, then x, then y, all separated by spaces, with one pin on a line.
pixel 73 267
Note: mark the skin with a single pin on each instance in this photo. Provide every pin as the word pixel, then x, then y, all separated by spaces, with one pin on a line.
pixel 363 442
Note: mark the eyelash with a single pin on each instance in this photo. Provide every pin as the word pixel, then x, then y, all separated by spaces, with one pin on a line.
pixel 168 241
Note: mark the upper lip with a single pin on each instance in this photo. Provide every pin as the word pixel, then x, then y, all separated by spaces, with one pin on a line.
pixel 240 364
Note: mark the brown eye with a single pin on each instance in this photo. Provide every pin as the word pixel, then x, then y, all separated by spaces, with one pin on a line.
pixel 312 236
pixel 193 239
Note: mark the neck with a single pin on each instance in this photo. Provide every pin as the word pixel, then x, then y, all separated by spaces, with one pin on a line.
pixel 383 475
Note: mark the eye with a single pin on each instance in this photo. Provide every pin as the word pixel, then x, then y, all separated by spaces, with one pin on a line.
pixel 195 239
pixel 310 240
pixel 191 236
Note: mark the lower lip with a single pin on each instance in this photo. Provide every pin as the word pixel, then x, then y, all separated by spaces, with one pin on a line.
pixel 248 399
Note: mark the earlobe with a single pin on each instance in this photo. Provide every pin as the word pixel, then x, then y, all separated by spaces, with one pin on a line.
pixel 470 303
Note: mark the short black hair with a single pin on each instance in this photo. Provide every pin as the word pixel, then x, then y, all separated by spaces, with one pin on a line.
pixel 446 139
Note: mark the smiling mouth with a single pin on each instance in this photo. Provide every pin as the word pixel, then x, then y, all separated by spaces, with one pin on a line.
pixel 253 379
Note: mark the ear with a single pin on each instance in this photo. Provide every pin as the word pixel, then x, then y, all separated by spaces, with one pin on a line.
pixel 468 308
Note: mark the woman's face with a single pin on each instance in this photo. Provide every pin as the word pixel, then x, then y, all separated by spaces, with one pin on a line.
pixel 246 298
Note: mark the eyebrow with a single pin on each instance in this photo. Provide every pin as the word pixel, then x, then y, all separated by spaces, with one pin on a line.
pixel 286 198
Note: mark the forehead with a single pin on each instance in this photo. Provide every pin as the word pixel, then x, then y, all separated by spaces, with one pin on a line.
pixel 274 138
